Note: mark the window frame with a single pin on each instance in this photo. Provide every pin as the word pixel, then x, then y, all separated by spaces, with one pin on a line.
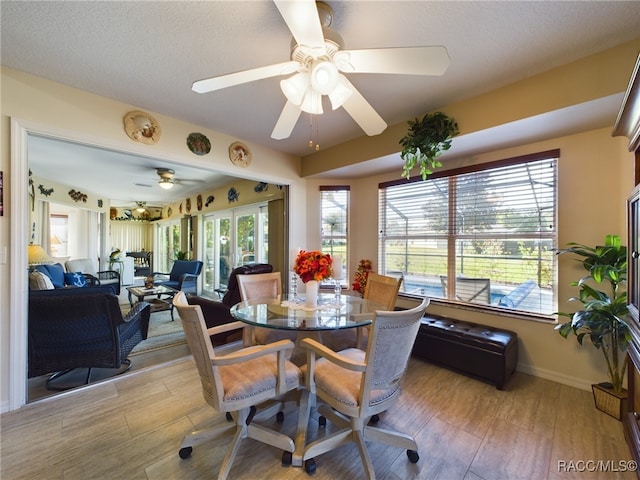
pixel 452 235
pixel 342 236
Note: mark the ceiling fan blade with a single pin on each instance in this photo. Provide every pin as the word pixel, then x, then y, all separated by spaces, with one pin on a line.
pixel 287 120
pixel 304 23
pixel 401 60
pixel 245 76
pixel 363 113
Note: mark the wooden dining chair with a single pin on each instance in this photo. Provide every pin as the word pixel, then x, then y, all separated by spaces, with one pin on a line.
pixel 260 285
pixel 239 383
pixel 381 289
pixel 355 385
pixel 263 285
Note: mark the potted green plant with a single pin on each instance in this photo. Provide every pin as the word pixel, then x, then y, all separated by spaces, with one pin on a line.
pixel 180 255
pixel 602 319
pixel 425 142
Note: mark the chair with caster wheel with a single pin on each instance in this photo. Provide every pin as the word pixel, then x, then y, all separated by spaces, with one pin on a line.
pixel 355 385
pixel 238 382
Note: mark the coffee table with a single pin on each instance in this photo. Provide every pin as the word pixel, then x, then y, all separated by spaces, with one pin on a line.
pixel 162 301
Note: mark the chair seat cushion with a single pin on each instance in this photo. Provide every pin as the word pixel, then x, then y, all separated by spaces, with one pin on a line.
pixel 344 385
pixel 255 376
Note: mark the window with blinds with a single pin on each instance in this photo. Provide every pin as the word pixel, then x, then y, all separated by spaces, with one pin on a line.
pixel 483 235
pixel 335 222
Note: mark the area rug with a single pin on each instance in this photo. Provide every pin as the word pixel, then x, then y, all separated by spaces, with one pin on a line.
pixel 163 332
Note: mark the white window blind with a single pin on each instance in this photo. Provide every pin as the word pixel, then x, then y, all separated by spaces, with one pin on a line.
pixel 482 236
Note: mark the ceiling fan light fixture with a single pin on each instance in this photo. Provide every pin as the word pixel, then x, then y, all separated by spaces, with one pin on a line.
pixel 312 102
pixel 166 183
pixel 340 93
pixel 295 87
pixel 324 77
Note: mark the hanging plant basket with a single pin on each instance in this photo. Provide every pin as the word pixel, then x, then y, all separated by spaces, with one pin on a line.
pixel 425 142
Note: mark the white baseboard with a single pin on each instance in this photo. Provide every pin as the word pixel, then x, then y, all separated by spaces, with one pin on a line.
pixel 580 383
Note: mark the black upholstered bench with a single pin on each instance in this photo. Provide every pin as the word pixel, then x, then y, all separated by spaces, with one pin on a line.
pixel 484 352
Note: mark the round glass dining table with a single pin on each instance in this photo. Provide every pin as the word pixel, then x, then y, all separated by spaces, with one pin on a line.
pixel 287 313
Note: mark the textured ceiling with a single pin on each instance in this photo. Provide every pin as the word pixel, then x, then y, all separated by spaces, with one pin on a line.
pixel 148 53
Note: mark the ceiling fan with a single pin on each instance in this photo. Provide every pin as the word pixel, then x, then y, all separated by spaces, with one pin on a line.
pixel 167 179
pixel 318 62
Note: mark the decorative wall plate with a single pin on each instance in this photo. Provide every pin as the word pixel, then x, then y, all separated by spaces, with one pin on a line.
pixel 198 143
pixel 142 127
pixel 239 154
pixel 199 202
pixel 187 205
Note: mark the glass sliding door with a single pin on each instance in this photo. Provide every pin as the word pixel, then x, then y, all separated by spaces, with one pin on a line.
pixel 168 242
pixel 232 238
pixel 217 245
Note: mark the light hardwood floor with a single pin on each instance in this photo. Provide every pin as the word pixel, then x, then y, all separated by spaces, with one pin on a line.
pixel 131 427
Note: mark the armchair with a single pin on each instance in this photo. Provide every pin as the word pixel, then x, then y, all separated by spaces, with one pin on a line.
pixel 356 385
pixel 216 313
pixel 183 276
pixel 70 329
pixel 89 268
pixel 237 383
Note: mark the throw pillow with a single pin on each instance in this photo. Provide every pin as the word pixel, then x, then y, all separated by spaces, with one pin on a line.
pixel 39 281
pixel 75 278
pixel 56 273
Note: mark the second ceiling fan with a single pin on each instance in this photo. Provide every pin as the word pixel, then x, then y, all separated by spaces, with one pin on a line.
pixel 317 64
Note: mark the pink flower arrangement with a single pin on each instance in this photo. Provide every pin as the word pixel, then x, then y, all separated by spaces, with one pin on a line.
pixel 313 265
pixel 362 274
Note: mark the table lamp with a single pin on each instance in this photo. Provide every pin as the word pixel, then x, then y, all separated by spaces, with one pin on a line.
pixel 37 256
